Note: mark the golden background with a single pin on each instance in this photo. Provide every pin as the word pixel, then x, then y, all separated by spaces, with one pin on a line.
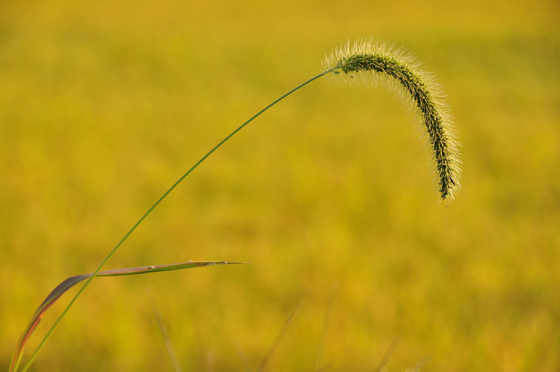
pixel 330 194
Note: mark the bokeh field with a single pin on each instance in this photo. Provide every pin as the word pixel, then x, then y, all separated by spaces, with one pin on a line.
pixel 330 195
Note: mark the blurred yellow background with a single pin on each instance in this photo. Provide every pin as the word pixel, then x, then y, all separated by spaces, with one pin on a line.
pixel 103 105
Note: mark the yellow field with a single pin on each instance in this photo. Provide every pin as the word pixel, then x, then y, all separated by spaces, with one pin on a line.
pixel 329 195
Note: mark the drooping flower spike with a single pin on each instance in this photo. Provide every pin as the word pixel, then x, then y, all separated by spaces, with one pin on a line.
pixel 368 61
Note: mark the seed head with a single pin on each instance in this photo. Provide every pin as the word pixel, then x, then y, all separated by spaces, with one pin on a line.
pixel 367 61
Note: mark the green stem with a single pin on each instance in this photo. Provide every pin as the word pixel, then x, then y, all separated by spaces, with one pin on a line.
pixel 153 207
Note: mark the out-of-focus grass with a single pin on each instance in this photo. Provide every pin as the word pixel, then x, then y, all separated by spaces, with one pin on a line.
pixel 103 106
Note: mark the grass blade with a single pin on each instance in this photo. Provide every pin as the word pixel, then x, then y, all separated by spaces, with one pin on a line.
pixel 163 330
pixel 242 356
pixel 278 338
pixel 388 355
pixel 322 340
pixel 60 289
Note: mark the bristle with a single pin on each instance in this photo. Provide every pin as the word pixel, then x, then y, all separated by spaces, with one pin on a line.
pixel 366 61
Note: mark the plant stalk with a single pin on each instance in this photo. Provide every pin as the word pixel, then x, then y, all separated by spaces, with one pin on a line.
pixel 41 344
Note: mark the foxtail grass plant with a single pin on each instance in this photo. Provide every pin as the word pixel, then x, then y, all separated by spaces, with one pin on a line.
pixel 363 61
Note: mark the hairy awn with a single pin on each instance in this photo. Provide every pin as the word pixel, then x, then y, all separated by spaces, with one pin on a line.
pixel 368 61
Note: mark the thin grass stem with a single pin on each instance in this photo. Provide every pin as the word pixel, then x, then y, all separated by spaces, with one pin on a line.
pixel 279 337
pixel 388 354
pixel 328 313
pixel 41 344
pixel 163 330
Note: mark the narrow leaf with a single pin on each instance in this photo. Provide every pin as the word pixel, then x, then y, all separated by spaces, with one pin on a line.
pixel 72 281
pixel 279 338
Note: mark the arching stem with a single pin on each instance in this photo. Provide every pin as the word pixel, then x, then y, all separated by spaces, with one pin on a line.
pixel 153 207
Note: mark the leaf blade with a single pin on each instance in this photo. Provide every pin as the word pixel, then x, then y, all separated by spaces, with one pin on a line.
pixel 70 282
